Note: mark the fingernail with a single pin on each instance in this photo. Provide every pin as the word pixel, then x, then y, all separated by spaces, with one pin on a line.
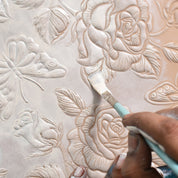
pixel 121 160
pixel 133 142
pixel 79 172
pixel 125 119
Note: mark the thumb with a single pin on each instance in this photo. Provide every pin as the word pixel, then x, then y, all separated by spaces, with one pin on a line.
pixel 138 160
pixel 138 151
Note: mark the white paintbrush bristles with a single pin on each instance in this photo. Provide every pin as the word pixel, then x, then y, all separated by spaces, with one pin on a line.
pixel 98 82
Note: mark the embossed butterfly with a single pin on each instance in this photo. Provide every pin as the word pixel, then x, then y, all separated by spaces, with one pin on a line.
pixel 164 93
pixel 23 60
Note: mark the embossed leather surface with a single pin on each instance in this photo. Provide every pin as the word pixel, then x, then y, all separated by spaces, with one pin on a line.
pixel 51 121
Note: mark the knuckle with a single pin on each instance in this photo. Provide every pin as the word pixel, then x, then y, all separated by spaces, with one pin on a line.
pixel 169 127
pixel 139 119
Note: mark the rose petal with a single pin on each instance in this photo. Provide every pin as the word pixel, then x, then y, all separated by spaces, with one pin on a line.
pixel 76 148
pixel 49 134
pixel 95 161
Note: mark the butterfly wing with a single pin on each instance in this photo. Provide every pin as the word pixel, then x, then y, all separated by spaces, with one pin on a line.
pixel 7 91
pixel 29 60
pixel 163 93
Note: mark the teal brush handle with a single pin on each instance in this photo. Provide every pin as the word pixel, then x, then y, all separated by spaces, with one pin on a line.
pixel 122 111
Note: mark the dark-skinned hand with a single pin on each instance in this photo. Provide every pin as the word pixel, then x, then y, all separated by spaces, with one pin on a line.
pixel 161 126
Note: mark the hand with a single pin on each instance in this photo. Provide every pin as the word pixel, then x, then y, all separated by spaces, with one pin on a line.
pixel 161 126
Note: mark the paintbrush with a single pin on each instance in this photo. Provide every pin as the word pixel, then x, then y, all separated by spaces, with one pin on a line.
pixel 98 83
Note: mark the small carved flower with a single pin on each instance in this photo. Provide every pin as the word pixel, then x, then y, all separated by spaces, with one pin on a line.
pixel 100 137
pixel 52 24
pixel 41 133
pixel 131 29
pixel 171 13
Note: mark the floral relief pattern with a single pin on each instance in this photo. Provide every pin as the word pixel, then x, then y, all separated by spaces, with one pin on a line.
pixel 23 60
pixel 171 13
pixel 99 136
pixel 41 133
pixel 47 171
pixel 29 4
pixel 120 39
pixel 171 52
pixel 126 38
pixel 44 135
pixel 51 24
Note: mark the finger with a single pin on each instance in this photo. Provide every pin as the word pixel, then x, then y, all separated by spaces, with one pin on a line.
pixel 115 169
pixel 138 156
pixel 138 160
pixel 161 128
pixel 139 151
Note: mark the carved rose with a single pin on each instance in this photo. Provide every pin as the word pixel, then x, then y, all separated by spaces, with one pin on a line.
pixel 171 13
pixel 41 133
pixel 119 38
pixel 98 139
pixel 131 29
pixel 129 39
pixel 47 171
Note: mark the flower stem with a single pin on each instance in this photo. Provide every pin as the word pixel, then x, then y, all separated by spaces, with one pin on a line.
pixel 163 30
pixel 67 161
pixel 155 44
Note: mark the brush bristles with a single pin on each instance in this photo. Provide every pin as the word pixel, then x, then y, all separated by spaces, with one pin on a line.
pixel 98 82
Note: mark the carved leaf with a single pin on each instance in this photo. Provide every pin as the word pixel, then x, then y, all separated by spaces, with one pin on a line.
pixel 149 64
pixel 47 171
pixel 52 24
pixel 171 52
pixel 23 60
pixel 3 172
pixel 29 4
pixel 4 14
pixel 71 103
